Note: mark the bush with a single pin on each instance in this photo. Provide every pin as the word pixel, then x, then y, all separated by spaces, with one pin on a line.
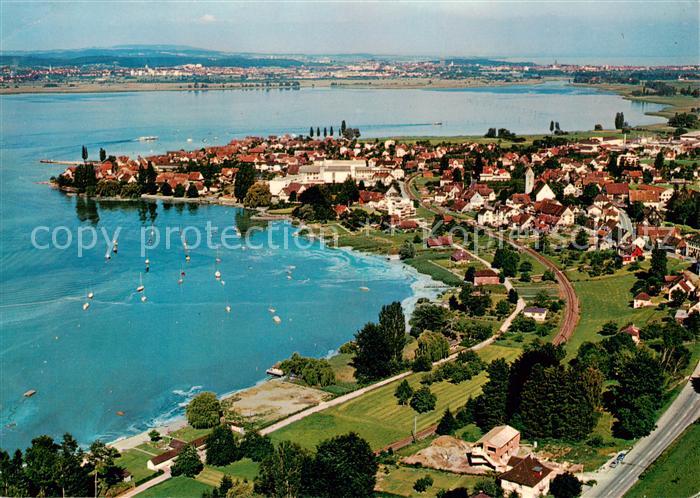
pixel 403 392
pixel 204 411
pixel 422 364
pixel 423 484
pixel 565 486
pixel 423 400
pixel 187 462
pixel 312 371
pixel 255 446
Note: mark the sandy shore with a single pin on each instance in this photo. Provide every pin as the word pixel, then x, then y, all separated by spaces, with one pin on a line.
pixel 394 83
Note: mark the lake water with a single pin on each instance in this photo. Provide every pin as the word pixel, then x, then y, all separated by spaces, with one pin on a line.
pixel 146 359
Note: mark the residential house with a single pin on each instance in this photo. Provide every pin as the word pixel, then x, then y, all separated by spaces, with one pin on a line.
pixel 538 314
pixel 495 448
pixel 486 277
pixel 528 477
pixel 632 331
pixel 642 300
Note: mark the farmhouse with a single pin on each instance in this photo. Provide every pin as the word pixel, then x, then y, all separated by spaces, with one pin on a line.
pixel 528 477
pixel 486 277
pixel 538 314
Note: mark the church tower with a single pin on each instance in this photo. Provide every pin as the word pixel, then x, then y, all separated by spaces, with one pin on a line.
pixel 529 180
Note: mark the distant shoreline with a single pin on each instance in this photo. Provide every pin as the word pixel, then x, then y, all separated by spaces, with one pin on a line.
pixel 377 83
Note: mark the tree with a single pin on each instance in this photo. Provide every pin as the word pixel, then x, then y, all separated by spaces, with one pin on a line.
pixel 659 263
pixel 403 392
pixel 423 400
pixel 422 484
pixel 256 446
pixel 325 132
pixel 565 485
pixel 221 447
pixel 258 196
pixel 490 408
pixel 448 423
pixel 179 190
pixel 204 411
pixel 73 476
pixel 513 296
pixel 581 240
pixel 245 178
pixel 619 120
pixel 13 481
pixel 282 473
pixel 318 131
pixel 192 191
pixel 433 346
pixel 344 466
pixel 502 308
pixel 154 436
pixel 187 462
pixel 638 395
pixel 311 131
pixel 429 317
pixel 331 132
pixel 393 324
pixel 349 193
pixel 103 155
pixel 372 360
pixel 84 153
pixel 106 473
pixel 41 464
pixel 407 251
pixel 343 127
pixel 166 189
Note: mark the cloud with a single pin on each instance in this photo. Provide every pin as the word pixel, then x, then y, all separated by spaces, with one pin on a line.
pixel 207 18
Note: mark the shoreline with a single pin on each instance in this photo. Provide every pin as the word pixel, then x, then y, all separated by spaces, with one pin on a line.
pixel 423 286
pixel 377 83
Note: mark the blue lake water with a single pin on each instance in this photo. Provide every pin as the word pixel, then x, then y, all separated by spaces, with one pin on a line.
pixel 146 359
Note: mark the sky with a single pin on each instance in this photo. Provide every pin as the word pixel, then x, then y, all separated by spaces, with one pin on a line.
pixel 567 30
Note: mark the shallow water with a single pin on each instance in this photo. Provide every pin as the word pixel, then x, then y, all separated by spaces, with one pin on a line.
pixel 147 359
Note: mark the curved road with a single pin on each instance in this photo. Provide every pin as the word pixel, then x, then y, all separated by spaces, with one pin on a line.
pixel 566 290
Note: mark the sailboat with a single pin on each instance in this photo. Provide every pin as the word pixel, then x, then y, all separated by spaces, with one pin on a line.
pixel 140 288
pixel 217 275
pixel 148 265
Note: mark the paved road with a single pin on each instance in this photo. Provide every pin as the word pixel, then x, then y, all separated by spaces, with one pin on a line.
pixel 566 290
pixel 684 410
pixel 146 485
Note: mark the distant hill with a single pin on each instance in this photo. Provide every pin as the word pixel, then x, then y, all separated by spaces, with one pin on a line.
pixel 131 56
pixel 138 56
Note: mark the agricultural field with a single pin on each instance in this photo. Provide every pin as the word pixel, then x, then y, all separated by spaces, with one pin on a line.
pixel 399 480
pixel 377 417
pixel 244 469
pixel 603 299
pixel 674 474
pixel 177 487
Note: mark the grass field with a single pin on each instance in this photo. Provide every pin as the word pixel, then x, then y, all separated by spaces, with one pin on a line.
pixel 189 433
pixel 377 417
pixel 400 480
pixel 604 299
pixel 135 462
pixel 675 473
pixel 177 487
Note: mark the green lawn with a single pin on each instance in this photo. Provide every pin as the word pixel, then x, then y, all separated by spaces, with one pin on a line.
pixel 603 299
pixel 177 487
pixel 135 462
pixel 675 473
pixel 377 417
pixel 243 469
pixel 400 480
pixel 188 433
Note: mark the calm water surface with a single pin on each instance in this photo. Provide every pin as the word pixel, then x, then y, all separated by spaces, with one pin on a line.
pixel 147 359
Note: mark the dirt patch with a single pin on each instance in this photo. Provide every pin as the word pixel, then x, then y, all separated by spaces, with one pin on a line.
pixel 445 453
pixel 273 400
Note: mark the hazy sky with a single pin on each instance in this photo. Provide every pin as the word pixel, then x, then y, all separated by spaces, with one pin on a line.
pixel 560 29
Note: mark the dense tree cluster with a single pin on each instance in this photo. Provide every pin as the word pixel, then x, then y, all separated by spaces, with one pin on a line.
pixel 224 448
pixel 314 372
pixel 204 411
pixel 539 395
pixel 343 466
pixel 380 345
pixel 49 468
